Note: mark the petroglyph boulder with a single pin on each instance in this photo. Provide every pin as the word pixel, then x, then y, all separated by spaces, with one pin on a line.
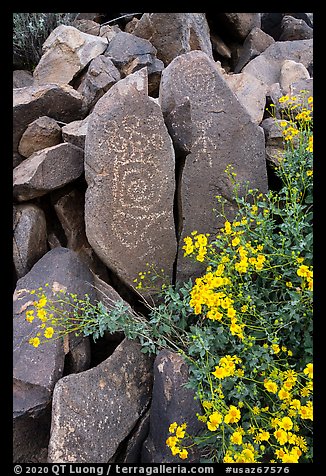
pixel 222 134
pixel 129 168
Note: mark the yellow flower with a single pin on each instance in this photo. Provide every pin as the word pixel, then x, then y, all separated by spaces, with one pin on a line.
pixel 41 314
pixel 281 436
pixel 233 416
pixel 180 432
pixel 214 421
pixel 228 458
pixel 42 302
pixel 247 455
pixel 175 450
pixel 283 394
pixel 288 384
pixel 284 99
pixel 295 403
pixel 236 438
pixel 305 392
pixel 173 427
pixel 301 442
pixel 270 386
pixel 227 227
pixel 189 246
pixel 309 370
pixel 235 241
pixel 231 312
pixel 276 348
pixel 219 372
pixel 49 331
pixel 306 412
pixel 303 271
pixel 30 316
pixel 171 441
pixel 264 436
pixel 183 454
pixel 34 341
pixel 286 423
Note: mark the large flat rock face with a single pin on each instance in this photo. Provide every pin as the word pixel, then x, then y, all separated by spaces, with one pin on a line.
pixel 47 170
pixel 30 238
pixel 94 411
pixel 220 132
pixel 171 402
pixel 61 102
pixel 36 370
pixel 67 51
pixel 173 34
pixel 129 168
pixel 267 66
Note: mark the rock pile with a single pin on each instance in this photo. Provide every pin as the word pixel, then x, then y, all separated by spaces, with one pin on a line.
pixel 121 137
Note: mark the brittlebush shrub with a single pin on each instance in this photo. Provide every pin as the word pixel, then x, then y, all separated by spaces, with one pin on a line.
pixel 244 326
pixel 30 30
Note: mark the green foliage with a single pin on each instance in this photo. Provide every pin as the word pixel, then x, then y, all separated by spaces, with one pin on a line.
pixel 30 30
pixel 245 326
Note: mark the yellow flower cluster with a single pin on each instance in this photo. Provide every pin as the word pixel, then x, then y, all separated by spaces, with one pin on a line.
pixel 226 367
pixel 304 115
pixel 197 245
pixel 214 421
pixel 310 147
pixel 41 314
pixel 284 436
pixel 257 262
pixel 205 297
pixel 177 433
pixel 215 418
pixel 247 455
pixel 304 272
pixel 290 132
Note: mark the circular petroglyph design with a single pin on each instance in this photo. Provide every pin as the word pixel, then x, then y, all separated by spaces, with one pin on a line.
pixel 138 177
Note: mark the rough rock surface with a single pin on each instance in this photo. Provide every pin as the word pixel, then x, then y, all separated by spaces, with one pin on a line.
pixel 239 25
pixel 61 102
pixel 75 132
pixel 94 411
pixel 295 29
pixel 267 66
pixel 88 26
pixel 66 52
pixel 46 170
pixel 271 23
pixel 274 140
pixel 36 370
pixel 171 402
pixel 129 168
pixel 251 93
pixel 69 207
pixel 292 72
pixel 30 237
pixel 21 78
pixel 173 34
pixel 100 76
pixel 222 134
pixel 124 47
pixel 255 43
pixel 41 133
